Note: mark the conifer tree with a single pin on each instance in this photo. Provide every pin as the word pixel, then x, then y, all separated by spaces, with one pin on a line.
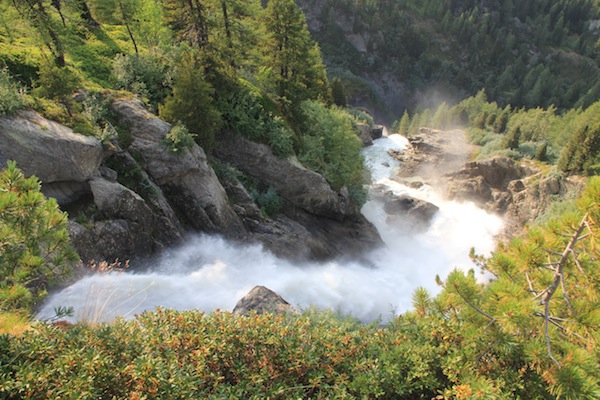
pixel 512 138
pixel 35 249
pixel 501 122
pixel 404 124
pixel 191 102
pixel 298 71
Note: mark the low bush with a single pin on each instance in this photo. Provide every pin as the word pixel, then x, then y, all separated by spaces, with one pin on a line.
pixel 12 96
pixel 245 113
pixel 331 147
pixel 179 138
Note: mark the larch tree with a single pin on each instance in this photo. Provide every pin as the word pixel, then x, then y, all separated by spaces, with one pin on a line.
pixel 36 12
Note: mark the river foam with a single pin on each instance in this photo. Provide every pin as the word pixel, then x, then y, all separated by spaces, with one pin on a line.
pixel 209 273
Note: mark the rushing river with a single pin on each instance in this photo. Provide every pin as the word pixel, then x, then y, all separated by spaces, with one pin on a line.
pixel 209 273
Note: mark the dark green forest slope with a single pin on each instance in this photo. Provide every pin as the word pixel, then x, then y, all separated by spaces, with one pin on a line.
pixel 407 54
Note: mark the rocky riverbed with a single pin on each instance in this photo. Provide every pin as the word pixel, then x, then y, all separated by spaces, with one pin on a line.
pixel 520 192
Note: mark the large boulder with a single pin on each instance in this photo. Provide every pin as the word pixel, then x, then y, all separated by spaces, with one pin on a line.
pixel 186 178
pixel 262 300
pixel 302 188
pixel 109 240
pixel 123 225
pixel 365 134
pixel 402 208
pixel 299 235
pixel 62 159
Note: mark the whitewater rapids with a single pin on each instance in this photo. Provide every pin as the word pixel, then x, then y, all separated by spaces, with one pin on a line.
pixel 209 273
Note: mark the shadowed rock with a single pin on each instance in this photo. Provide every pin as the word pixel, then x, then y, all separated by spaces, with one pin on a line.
pixel 262 300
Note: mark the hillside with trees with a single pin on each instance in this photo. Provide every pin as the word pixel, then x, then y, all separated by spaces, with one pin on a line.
pixel 396 55
pixel 173 82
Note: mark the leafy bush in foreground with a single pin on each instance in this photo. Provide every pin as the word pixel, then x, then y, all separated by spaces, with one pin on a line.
pixel 170 354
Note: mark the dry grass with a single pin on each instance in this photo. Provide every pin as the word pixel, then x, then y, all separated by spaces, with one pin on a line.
pixel 14 323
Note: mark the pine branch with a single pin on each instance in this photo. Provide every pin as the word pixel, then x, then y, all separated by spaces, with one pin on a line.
pixel 479 310
pixel 556 253
pixel 558 280
pixel 547 334
pixel 531 289
pixel 566 296
pixel 577 263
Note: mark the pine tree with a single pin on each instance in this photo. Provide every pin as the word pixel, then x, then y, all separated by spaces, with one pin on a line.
pixel 541 153
pixel 189 21
pixel 404 124
pixel 569 153
pixel 191 102
pixel 512 138
pixel 35 248
pixel 501 122
pixel 298 71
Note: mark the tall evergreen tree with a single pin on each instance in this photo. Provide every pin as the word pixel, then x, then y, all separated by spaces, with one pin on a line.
pixel 298 71
pixel 404 124
pixel 191 102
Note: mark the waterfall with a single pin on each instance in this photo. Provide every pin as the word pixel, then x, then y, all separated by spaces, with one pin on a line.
pixel 209 273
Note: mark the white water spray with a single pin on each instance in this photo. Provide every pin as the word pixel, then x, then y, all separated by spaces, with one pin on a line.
pixel 209 273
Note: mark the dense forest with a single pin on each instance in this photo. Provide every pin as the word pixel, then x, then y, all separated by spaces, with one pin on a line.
pixel 522 76
pixel 526 54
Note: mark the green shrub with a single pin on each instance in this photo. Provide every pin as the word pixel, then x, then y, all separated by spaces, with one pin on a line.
pixel 147 76
pixel 268 201
pixel 58 84
pixel 179 138
pixel 331 147
pixel 12 97
pixel 360 116
pixel 244 112
pixel 35 249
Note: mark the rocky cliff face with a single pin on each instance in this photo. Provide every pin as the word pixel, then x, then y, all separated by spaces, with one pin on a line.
pixel 317 221
pixel 130 203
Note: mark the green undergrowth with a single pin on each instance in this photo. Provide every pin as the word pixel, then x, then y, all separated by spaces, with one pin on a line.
pixel 169 354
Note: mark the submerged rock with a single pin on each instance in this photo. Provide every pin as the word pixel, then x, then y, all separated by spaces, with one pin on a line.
pixel 262 300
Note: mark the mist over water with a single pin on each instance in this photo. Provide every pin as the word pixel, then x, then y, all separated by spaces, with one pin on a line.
pixel 209 273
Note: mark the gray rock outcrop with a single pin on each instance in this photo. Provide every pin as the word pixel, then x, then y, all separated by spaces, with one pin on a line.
pixel 123 206
pixel 519 193
pixel 62 159
pixel 487 182
pixel 262 300
pixel 408 210
pixel 302 188
pixel 186 178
